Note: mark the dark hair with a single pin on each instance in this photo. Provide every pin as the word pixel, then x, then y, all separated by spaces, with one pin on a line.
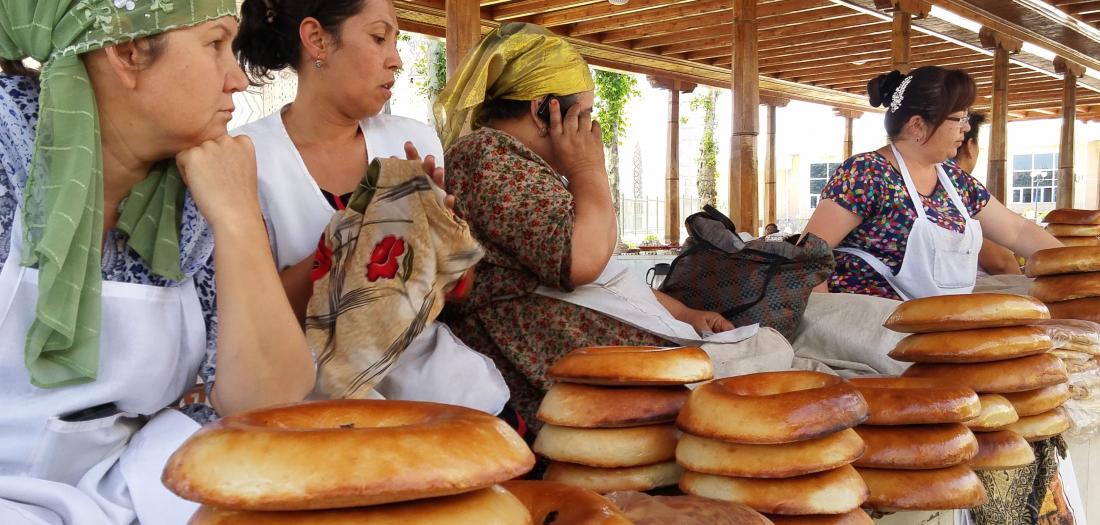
pixel 933 93
pixel 976 121
pixel 17 67
pixel 268 38
pixel 504 109
pixel 150 48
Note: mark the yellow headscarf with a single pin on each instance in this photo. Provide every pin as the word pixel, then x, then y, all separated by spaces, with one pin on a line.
pixel 516 61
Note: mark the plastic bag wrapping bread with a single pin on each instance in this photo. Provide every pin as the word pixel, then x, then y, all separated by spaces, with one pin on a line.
pixel 1083 407
pixel 1073 335
pixel 643 509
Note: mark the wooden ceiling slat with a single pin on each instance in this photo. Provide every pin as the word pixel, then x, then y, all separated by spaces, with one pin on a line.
pixel 855 51
pixel 601 10
pixel 713 31
pixel 713 7
pixel 681 25
pixel 799 39
pixel 524 8
pixel 879 57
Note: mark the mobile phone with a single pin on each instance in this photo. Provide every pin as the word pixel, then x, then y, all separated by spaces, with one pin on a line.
pixel 90 413
pixel 544 107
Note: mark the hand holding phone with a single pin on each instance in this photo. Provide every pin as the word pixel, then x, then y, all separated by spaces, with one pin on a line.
pixel 544 107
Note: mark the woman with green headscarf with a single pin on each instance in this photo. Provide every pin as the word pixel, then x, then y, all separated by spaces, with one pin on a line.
pixel 531 182
pixel 117 179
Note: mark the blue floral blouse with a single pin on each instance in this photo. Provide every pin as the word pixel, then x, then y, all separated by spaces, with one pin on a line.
pixel 18 118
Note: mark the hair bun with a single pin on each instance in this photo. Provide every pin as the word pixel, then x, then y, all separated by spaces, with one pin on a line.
pixel 880 90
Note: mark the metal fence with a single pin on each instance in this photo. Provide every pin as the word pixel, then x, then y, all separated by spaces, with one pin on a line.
pixel 644 219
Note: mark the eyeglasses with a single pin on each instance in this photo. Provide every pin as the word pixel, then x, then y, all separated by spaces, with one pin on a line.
pixel 959 120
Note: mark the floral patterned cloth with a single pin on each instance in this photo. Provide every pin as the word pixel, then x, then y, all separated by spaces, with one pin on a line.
pixel 520 210
pixel 18 117
pixel 869 186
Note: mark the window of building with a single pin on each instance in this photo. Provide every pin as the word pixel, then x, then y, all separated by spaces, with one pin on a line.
pixel 1033 178
pixel 819 175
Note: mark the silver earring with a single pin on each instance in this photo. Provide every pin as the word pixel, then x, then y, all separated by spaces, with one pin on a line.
pixel 543 132
pixel 317 63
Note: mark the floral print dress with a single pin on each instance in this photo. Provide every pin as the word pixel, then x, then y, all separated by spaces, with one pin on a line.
pixel 869 186
pixel 520 210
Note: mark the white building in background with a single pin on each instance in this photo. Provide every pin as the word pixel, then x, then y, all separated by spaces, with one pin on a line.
pixel 809 146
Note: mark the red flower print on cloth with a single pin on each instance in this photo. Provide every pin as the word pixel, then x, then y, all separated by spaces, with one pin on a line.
pixel 383 259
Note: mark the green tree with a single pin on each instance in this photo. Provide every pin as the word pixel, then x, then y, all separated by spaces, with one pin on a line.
pixel 429 68
pixel 706 163
pixel 613 91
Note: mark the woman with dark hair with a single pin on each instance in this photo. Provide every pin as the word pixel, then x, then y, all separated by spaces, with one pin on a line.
pixel 313 152
pixel 113 299
pixel 905 220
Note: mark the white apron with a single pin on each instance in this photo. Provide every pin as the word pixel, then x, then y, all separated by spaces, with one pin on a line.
pixel 937 261
pixel 104 470
pixel 621 294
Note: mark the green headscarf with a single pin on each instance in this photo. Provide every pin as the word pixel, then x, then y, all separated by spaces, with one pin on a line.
pixel 62 209
pixel 516 61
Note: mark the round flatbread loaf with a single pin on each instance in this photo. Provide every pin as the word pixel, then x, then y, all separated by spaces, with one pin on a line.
pixel 1054 288
pixel 1055 261
pixel 1079 241
pixel 1034 402
pixel 607 447
pixel 604 480
pixel 589 406
pixel 915 401
pixel 1001 450
pixel 939 489
pixel 916 446
pixel 996 413
pixel 1011 375
pixel 1042 426
pixel 1072 216
pixel 561 504
pixel 710 456
pixel 972 346
pixel 947 313
pixel 834 491
pixel 633 365
pixel 1073 230
pixel 1084 309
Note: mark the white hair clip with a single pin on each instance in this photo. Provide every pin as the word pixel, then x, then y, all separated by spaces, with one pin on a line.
pixel 899 94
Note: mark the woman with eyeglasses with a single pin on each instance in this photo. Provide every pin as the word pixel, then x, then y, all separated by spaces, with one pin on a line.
pixel 885 243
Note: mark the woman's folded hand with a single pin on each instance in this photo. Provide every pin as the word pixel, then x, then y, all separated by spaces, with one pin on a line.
pixel 704 321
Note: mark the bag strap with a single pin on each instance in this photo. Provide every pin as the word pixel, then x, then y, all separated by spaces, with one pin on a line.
pixel 769 274
pixel 713 213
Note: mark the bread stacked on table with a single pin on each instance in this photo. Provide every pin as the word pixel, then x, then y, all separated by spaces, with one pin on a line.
pixel 985 342
pixel 1074 227
pixel 1077 344
pixel 917 445
pixel 608 421
pixel 353 461
pixel 1068 281
pixel 779 442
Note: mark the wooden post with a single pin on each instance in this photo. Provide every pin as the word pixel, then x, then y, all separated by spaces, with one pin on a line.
pixel 744 207
pixel 771 209
pixel 904 11
pixel 463 30
pixel 1066 185
pixel 997 174
pixel 672 169
pixel 672 165
pixel 850 116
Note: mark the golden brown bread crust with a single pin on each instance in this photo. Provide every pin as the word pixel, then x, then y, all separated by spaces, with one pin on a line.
pixel 1033 402
pixel 604 480
pixel 564 504
pixel 947 313
pixel 1072 216
pixel 772 407
pixel 913 401
pixel 856 517
pixel 831 492
pixel 1054 288
pixel 586 406
pixel 916 446
pixel 972 346
pixel 1011 375
pixel 361 452
pixel 644 509
pixel 1001 450
pixel 785 460
pixel 608 447
pixel 996 413
pixel 1041 426
pixel 633 365
pixel 938 489
pixel 1054 261
pixel 1084 309
pixel 1079 241
pixel 1073 230
pixel 489 506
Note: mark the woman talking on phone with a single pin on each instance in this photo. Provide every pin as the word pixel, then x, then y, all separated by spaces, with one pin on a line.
pixel 531 182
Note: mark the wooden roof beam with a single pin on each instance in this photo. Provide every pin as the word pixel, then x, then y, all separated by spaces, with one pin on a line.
pixel 591 12
pixel 677 10
pixel 525 8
